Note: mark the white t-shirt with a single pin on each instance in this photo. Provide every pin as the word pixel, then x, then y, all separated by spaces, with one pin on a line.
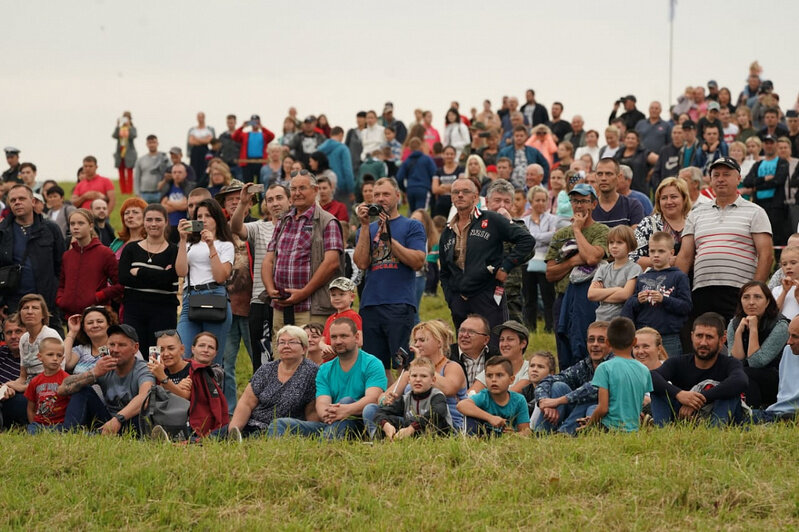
pixel 28 351
pixel 790 307
pixel 200 261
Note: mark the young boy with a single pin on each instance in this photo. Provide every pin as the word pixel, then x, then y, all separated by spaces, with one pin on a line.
pixel 622 382
pixel 393 144
pixel 785 292
pixel 342 295
pixel 542 364
pixel 422 409
pixel 496 409
pixel 45 407
pixel 662 297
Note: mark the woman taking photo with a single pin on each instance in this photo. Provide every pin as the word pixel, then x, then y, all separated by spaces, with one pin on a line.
pixel 542 225
pixel 280 388
pixel 132 214
pixel 150 281
pixel 443 179
pixel 88 269
pixel 756 336
pixel 125 154
pixel 205 260
pixel 431 339
pixel 171 370
pixel 672 205
pixel 86 335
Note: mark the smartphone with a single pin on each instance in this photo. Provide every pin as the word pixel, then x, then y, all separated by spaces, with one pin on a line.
pixel 255 189
pixel 103 350
pixel 195 226
pixel 155 353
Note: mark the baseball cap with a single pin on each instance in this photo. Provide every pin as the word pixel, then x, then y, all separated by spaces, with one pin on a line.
pixel 491 168
pixel 768 138
pixel 713 106
pixel 688 124
pixel 309 119
pixel 583 189
pixel 38 196
pixel 175 150
pixel 729 162
pixel 712 83
pixel 514 326
pixel 11 150
pixel 791 113
pixel 342 283
pixel 125 329
pixel 630 97
pixel 388 107
pixel 255 117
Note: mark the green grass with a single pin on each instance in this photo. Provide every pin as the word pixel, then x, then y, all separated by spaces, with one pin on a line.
pixel 675 478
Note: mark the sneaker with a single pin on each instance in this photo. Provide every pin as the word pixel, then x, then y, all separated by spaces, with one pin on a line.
pixel 159 434
pixel 234 434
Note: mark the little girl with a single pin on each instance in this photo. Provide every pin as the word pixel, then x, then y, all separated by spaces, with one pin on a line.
pixel 785 293
pixel 614 282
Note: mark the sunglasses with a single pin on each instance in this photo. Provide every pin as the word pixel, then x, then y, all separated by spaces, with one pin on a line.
pixel 167 332
pixel 295 173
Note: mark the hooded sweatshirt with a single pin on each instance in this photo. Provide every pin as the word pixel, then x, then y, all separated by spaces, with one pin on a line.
pixel 88 277
pixel 417 171
pixel 668 316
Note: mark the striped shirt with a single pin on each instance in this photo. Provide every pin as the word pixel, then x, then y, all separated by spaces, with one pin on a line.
pixel 259 234
pixel 725 250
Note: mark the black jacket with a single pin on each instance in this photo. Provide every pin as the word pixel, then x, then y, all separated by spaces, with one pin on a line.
pixel 630 118
pixel 778 184
pixel 668 164
pixel 45 250
pixel 484 248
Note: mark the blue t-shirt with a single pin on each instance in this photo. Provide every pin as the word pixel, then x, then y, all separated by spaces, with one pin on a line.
pixel 515 411
pixel 176 194
pixel 766 168
pixel 627 211
pixel 27 281
pixel 367 372
pixel 388 281
pixel 627 381
pixel 255 145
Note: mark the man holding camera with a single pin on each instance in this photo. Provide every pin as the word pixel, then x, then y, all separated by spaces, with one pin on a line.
pixel 390 250
pixel 631 115
pixel 254 144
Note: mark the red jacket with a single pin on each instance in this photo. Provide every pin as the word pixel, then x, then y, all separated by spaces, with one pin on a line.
pixel 208 409
pixel 240 136
pixel 88 277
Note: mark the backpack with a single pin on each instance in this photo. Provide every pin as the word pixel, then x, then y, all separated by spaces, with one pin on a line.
pixel 164 408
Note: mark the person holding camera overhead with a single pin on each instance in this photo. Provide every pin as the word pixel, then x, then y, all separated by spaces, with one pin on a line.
pixel 205 259
pixel 389 250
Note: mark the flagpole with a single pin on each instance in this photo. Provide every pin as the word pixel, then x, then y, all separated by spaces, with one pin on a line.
pixel 671 47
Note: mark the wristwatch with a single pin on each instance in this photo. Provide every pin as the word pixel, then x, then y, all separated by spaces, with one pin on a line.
pixel 120 418
pixel 166 380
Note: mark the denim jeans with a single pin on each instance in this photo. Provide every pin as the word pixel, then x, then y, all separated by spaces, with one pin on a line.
pixel 188 329
pixel 672 344
pixel 239 331
pixel 417 198
pixel 724 411
pixel 248 431
pixel 86 409
pixel 14 411
pixel 346 428
pixel 420 284
pixel 151 197
pixel 567 414
pixel 369 413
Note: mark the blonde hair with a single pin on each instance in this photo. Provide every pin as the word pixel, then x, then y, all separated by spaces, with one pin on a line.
pixel 480 163
pixel 662 353
pixel 538 189
pixel 623 233
pixel 48 341
pixel 426 363
pixel 681 187
pixel 439 331
pixel 89 218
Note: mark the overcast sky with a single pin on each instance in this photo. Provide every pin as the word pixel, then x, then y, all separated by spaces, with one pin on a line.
pixel 71 68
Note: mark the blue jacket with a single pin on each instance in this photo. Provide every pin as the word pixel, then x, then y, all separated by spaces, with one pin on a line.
pixel 669 316
pixel 417 172
pixel 703 158
pixel 533 156
pixel 341 163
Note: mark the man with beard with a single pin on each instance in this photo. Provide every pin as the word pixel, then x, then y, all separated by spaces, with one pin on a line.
pixel 704 383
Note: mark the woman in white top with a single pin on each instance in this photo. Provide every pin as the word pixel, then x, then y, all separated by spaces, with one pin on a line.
pixel 456 134
pixel 591 147
pixel 205 260
pixel 34 316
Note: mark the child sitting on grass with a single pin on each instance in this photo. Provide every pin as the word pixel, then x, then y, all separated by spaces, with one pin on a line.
pixel 662 298
pixel 622 382
pixel 45 407
pixel 614 282
pixel 494 409
pixel 422 409
pixel 342 295
pixel 542 364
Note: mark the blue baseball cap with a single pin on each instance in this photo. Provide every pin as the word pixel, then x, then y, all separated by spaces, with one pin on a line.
pixel 583 189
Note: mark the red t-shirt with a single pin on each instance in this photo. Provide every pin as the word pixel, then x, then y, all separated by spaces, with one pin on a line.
pixel 98 184
pixel 41 391
pixel 349 313
pixel 337 209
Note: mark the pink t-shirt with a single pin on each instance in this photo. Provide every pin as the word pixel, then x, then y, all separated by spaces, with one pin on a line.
pixel 98 184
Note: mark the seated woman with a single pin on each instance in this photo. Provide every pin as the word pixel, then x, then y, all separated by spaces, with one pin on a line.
pixel 513 340
pixel 431 339
pixel 649 349
pixel 87 333
pixel 170 369
pixel 280 388
pixel 315 353
pixel 756 336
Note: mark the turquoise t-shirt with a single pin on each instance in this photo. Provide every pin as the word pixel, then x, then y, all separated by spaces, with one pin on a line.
pixel 627 381
pixel 367 372
pixel 515 411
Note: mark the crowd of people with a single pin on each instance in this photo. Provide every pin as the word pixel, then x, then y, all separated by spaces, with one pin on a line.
pixel 651 259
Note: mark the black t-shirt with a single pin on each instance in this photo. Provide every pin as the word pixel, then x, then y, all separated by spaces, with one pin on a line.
pixel 178 375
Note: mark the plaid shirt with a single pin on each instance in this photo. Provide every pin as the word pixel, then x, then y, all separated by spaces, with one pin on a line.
pixel 578 377
pixel 293 249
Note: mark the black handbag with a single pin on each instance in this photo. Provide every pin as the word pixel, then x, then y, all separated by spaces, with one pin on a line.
pixel 10 276
pixel 206 307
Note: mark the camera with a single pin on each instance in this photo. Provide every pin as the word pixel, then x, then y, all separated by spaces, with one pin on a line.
pixel 374 209
pixel 196 226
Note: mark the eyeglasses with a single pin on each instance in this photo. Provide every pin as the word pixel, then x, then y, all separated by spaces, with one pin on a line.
pixel 289 343
pixel 462 192
pixel 295 173
pixel 580 201
pixel 167 332
pixel 469 332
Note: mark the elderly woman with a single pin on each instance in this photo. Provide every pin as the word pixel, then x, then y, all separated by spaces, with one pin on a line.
pixel 132 214
pixel 280 388
pixel 672 205
pixel 757 335
pixel 431 339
